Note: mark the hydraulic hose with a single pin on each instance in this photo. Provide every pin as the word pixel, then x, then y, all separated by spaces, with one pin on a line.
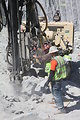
pixel 24 3
pixel 44 15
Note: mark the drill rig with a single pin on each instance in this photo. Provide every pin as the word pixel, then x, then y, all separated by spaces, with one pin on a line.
pixel 19 43
pixel 37 30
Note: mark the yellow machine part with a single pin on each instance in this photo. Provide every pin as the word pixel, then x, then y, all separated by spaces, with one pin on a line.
pixel 61 33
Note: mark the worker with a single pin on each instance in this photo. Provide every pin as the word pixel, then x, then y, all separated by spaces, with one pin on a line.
pixel 41 57
pixel 42 54
pixel 57 72
pixel 46 46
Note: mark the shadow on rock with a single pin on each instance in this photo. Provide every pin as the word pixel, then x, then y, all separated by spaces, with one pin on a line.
pixel 70 96
pixel 73 85
pixel 31 72
pixel 75 73
pixel 74 107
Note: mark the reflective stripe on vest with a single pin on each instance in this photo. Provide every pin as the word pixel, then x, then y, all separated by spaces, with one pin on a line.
pixel 60 72
pixel 47 68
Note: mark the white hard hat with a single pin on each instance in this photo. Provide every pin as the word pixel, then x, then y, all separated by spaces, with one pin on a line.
pixel 53 49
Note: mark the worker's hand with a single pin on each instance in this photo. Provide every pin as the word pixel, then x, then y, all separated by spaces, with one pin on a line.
pixel 34 56
pixel 37 60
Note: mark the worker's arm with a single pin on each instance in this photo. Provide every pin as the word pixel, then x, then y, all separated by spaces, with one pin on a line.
pixel 52 69
pixel 51 75
pixel 50 78
pixel 52 72
pixel 43 58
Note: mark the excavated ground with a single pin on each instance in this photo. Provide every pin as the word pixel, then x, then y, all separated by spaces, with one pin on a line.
pixel 27 101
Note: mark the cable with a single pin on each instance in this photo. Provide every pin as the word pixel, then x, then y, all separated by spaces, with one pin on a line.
pixel 44 15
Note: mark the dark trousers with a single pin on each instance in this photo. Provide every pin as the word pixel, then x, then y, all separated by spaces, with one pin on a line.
pixel 57 93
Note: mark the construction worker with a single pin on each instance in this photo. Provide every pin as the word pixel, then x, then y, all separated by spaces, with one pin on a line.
pixel 42 54
pixel 56 72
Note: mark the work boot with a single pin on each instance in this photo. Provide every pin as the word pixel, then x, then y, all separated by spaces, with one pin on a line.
pixel 62 110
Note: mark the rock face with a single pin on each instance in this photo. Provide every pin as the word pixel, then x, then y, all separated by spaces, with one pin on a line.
pixel 69 10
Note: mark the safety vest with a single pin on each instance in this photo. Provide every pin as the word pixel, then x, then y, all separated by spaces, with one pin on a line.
pixel 47 68
pixel 61 69
pixel 60 72
pixel 67 58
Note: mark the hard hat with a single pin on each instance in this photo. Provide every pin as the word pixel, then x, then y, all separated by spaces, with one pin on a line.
pixel 53 49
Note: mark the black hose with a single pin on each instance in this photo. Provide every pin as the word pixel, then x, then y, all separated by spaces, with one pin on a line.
pixel 24 3
pixel 44 15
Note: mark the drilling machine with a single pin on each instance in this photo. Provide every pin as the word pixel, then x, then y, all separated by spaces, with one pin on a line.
pixel 19 48
pixel 37 30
